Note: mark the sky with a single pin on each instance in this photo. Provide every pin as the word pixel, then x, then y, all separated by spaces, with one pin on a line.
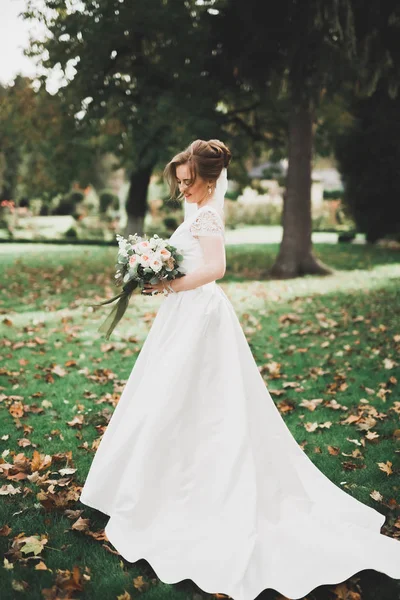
pixel 14 36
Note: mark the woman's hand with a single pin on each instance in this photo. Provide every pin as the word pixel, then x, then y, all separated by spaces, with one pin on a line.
pixel 150 288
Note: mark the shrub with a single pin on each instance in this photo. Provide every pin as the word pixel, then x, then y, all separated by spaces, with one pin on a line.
pixel 7 209
pixel 346 236
pixel 36 206
pixel 251 213
pixel 44 210
pixel 108 200
pixel 331 216
pixel 71 233
pixel 333 194
pixel 233 194
pixel 68 203
pixel 170 223
pixel 76 197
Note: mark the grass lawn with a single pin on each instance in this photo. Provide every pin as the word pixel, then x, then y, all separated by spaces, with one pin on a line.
pixel 327 347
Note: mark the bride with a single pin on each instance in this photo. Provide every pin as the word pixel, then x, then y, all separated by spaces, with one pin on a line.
pixel 197 470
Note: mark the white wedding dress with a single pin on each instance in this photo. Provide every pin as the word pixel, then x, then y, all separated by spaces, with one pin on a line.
pixel 201 476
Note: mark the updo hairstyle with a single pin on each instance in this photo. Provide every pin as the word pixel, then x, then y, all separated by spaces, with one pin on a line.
pixel 206 159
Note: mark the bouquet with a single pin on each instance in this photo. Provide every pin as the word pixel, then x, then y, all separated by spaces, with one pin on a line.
pixel 140 260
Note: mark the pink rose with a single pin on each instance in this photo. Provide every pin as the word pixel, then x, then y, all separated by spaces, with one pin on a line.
pixel 133 260
pixel 156 264
pixel 165 254
pixel 144 245
pixel 144 260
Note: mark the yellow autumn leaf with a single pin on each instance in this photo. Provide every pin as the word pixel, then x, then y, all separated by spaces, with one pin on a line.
pixel 375 495
pixel 33 544
pixel 386 467
pixel 125 596
pixel 41 566
pixel 310 426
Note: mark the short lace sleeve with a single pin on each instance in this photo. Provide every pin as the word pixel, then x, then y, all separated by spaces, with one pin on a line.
pixel 207 222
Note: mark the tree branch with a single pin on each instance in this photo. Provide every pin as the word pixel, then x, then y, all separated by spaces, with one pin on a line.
pixel 243 110
pixel 254 134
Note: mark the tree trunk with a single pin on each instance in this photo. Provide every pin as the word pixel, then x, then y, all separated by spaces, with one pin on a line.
pixel 136 203
pixel 295 255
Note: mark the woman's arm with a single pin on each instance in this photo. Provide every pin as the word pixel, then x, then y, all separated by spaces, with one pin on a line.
pixel 214 267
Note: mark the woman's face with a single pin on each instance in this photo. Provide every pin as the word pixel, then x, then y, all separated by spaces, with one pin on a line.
pixel 194 191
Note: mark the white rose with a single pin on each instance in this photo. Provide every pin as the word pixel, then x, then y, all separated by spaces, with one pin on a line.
pixel 144 245
pixel 156 263
pixel 145 259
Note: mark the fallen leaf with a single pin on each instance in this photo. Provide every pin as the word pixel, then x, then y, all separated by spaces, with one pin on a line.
pixel 19 586
pixel 376 496
pixel 310 426
pixel 371 435
pixel 81 524
pixel 386 467
pixel 77 421
pixel 311 404
pixel 7 564
pixel 140 584
pixel 388 363
pixel 5 530
pixel 34 544
pixel 9 490
pixel 41 566
pixel 57 370
pixel 16 409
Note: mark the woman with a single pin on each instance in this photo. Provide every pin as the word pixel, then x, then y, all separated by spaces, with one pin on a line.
pixel 197 469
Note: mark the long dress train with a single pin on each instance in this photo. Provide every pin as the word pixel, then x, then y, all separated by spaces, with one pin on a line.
pixel 201 476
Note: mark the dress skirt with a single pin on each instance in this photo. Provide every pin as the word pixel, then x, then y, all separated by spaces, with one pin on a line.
pixel 201 476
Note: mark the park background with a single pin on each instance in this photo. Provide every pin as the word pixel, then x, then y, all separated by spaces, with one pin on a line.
pixel 306 96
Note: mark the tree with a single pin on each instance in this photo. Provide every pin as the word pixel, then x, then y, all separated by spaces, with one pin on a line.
pixel 16 106
pixel 368 154
pixel 39 141
pixel 301 52
pixel 138 74
pixel 377 28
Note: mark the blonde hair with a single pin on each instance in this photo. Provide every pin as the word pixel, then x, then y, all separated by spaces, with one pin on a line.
pixel 204 158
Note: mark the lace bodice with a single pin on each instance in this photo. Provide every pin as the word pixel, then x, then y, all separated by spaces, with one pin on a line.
pixel 207 222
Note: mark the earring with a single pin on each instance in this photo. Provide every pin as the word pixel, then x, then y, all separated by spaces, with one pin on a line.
pixel 209 190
